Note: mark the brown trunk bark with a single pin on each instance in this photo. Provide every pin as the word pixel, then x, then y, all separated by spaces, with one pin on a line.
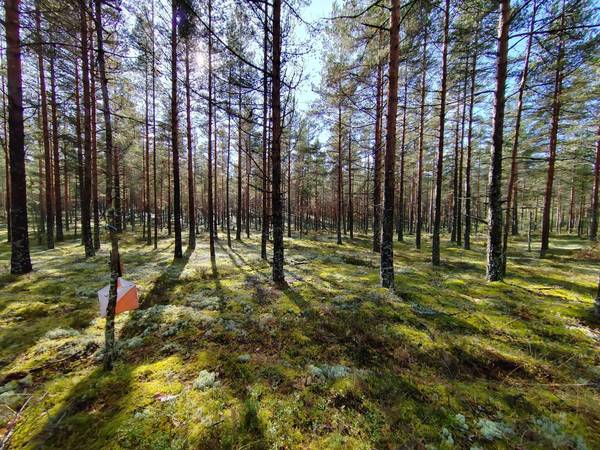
pixel 278 275
pixel 419 225
pixel 20 261
pixel 387 238
pixel 55 153
pixel 190 166
pixel 377 160
pixel 45 132
pixel 594 213
pixel 514 166
pixel 556 105
pixel 435 247
pixel 494 245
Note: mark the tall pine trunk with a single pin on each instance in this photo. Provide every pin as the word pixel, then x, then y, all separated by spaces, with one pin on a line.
pixel 86 191
pixel 377 161
pixel 558 79
pixel 512 181
pixel 211 223
pixel 45 132
pixel 265 215
pixel 190 166
pixel 468 193
pixel 594 213
pixel 238 219
pixel 419 200
pixel 435 247
pixel 278 275
pixel 20 261
pixel 55 152
pixel 109 330
pixel 174 134
pixel 387 234
pixel 494 244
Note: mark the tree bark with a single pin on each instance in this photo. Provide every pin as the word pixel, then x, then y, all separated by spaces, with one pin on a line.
pixel 339 179
pixel 238 219
pixel 227 218
pixel 468 200
pixel 419 200
pixel 556 105
pixel 211 223
pixel 55 152
pixel 45 132
pixel 350 193
pixel 174 134
pixel 265 215
pixel 20 261
pixel 190 166
pixel 86 191
pixel 377 161
pixel 514 166
pixel 494 245
pixel 402 158
pixel 435 247
pixel 387 238
pixel 109 330
pixel 594 213
pixel 278 275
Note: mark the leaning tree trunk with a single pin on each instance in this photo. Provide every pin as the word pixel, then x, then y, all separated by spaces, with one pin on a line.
pixel 494 245
pixel 20 261
pixel 278 275
pixel 513 166
pixel 387 234
pixel 435 247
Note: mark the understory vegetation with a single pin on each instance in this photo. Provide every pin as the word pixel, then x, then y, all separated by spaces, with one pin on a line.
pixel 332 361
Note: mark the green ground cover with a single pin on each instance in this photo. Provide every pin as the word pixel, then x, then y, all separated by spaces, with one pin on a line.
pixel 333 361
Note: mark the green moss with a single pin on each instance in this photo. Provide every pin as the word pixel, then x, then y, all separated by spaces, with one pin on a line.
pixel 446 345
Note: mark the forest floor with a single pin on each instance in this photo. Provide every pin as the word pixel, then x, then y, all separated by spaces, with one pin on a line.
pixel 333 361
